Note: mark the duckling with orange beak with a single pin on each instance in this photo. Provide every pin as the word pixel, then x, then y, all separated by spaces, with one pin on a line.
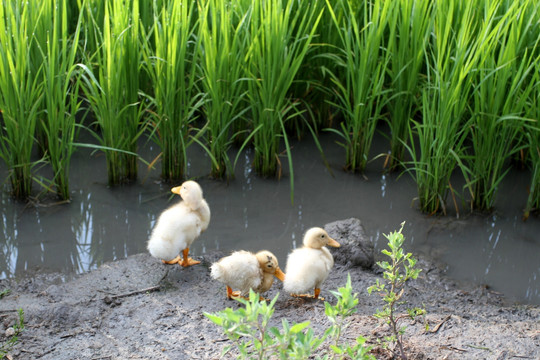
pixel 178 226
pixel 243 270
pixel 309 266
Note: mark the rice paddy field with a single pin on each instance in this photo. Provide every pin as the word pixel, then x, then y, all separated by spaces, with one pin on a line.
pixel 441 95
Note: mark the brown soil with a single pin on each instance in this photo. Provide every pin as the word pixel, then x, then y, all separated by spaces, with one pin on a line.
pixel 138 308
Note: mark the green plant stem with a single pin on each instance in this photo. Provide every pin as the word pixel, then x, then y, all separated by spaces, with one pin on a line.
pixel 20 93
pixel 173 73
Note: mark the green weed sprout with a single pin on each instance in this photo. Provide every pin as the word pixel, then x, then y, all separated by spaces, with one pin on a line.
pixel 337 314
pixel 18 327
pixel 248 329
pixel 392 290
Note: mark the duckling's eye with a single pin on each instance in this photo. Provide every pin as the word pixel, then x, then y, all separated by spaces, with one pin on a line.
pixel 323 236
pixel 269 265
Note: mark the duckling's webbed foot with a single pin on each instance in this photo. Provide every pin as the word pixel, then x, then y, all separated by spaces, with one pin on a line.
pixel 309 296
pixel 232 294
pixel 173 261
pixel 187 260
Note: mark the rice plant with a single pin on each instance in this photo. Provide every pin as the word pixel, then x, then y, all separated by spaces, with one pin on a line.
pixel 112 87
pixel 61 87
pixel 281 34
pixel 92 12
pixel 502 88
pixel 459 42
pixel 20 94
pixel 359 79
pixel 224 45
pixel 533 143
pixel 410 26
pixel 172 69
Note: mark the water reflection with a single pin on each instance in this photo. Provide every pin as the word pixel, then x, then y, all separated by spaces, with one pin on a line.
pixel 9 254
pixel 103 224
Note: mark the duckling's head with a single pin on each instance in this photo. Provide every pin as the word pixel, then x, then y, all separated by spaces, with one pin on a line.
pixel 269 264
pixel 190 192
pixel 316 238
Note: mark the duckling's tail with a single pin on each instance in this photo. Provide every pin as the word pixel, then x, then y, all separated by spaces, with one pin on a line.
pixel 295 286
pixel 216 272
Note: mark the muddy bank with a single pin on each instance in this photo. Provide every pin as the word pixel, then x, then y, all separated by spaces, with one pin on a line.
pixel 138 308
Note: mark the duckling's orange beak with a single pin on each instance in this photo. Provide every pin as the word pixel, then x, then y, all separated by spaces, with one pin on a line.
pixel 333 243
pixel 176 190
pixel 279 274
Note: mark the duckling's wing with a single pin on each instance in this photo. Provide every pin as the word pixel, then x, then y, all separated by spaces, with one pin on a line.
pixel 204 215
pixel 306 269
pixel 174 231
pixel 240 271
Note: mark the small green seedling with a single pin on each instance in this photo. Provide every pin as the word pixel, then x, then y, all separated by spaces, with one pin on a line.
pixel 248 329
pixel 18 327
pixel 393 288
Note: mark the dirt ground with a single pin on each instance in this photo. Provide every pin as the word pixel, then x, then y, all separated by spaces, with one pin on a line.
pixel 138 308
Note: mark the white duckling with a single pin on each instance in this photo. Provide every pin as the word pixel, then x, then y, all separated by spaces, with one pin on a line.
pixel 244 270
pixel 178 226
pixel 309 266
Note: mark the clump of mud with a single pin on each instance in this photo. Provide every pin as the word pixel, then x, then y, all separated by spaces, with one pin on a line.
pixel 138 308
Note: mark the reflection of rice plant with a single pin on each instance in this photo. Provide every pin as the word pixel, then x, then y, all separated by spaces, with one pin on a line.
pixel 359 77
pixel 20 93
pixel 281 33
pixel 112 87
pixel 224 44
pixel 61 93
pixel 172 69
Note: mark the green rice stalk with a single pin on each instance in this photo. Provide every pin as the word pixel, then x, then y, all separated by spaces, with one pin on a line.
pixel 20 94
pixel 312 82
pixel 359 80
pixel 499 101
pixel 532 135
pixel 61 87
pixel 410 27
pixel 112 89
pixel 172 69
pixel 92 13
pixel 460 40
pixel 224 46
pixel 281 34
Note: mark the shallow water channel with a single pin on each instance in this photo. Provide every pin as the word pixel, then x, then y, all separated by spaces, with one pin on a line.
pixel 102 224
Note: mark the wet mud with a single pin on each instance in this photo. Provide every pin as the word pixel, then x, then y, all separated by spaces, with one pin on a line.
pixel 138 308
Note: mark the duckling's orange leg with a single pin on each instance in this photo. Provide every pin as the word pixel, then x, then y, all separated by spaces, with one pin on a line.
pixel 314 296
pixel 187 260
pixel 237 294
pixel 232 294
pixel 173 261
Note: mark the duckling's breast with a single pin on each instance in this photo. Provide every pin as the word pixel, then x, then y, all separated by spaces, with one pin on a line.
pixel 306 269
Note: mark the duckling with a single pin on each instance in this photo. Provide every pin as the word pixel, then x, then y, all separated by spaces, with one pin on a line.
pixel 178 226
pixel 309 266
pixel 244 270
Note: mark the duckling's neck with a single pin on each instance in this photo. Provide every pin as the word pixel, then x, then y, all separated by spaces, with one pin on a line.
pixel 267 281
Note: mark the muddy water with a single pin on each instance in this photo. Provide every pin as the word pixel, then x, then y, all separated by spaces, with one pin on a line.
pixel 102 224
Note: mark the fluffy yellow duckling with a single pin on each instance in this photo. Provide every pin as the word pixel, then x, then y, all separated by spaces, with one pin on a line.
pixel 244 270
pixel 178 226
pixel 309 266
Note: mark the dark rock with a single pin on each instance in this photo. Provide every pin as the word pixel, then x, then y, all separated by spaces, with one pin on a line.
pixel 356 248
